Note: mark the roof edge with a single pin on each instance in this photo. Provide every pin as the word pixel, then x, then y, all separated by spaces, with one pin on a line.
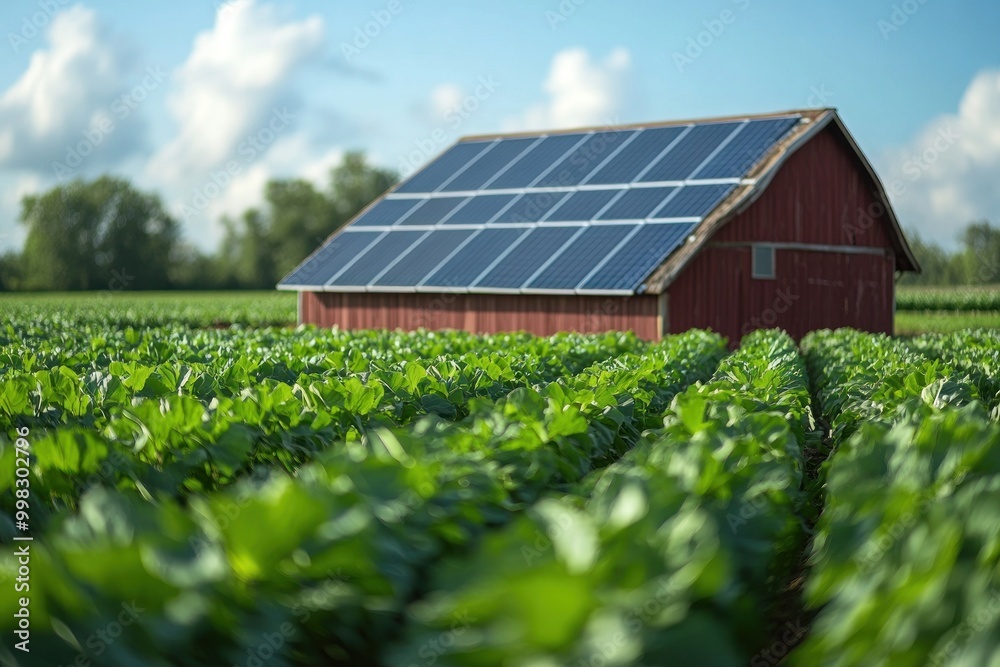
pixel 742 198
pixel 612 126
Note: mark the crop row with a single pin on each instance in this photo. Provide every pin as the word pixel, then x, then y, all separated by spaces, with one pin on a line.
pixel 665 557
pixel 185 425
pixel 907 551
pixel 333 554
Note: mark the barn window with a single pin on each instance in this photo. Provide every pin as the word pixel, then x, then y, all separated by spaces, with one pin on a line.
pixel 763 262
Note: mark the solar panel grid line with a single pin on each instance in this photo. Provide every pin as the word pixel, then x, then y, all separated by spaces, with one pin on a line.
pixel 399 257
pixel 304 274
pixel 423 258
pixel 554 256
pixel 475 176
pixel 510 164
pixel 535 249
pixel 614 200
pixel 662 154
pixel 750 147
pixel 635 260
pixel 542 290
pixel 559 160
pixel 469 263
pixel 565 203
pixel 718 149
pixel 603 292
pixel 498 259
pixel 531 207
pixel 535 163
pixel 632 160
pixel 450 255
pixel 358 256
pixel 640 204
pixel 691 151
pixel 564 271
pixel 428 178
pixel 608 257
pixel 695 201
pixel 369 265
pixel 584 159
pixel 667 221
pixel 717 181
pixel 632 137
pixel 479 156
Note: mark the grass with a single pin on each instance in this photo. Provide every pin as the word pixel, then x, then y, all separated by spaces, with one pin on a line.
pixel 910 323
pixel 966 299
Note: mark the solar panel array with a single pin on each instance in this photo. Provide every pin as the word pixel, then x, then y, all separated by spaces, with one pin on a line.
pixel 587 212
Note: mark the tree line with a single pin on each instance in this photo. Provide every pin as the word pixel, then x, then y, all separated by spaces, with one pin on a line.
pixel 106 234
pixel 976 261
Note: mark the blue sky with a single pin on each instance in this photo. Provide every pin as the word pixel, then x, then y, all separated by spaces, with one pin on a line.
pixel 204 101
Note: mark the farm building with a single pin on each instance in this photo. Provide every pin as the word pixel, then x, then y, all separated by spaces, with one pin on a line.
pixel 732 224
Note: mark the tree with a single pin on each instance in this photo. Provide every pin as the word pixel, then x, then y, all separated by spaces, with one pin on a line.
pixel 982 253
pixel 354 184
pixel 263 246
pixel 96 235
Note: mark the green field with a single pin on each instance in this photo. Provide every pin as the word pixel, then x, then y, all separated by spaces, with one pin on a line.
pixel 920 310
pixel 204 491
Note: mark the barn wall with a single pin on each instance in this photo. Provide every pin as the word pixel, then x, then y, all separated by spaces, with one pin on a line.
pixel 483 313
pixel 820 195
pixel 812 290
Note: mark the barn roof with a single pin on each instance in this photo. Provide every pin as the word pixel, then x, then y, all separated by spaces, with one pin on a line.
pixel 614 210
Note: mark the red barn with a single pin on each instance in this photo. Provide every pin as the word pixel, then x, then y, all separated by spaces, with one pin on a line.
pixel 731 224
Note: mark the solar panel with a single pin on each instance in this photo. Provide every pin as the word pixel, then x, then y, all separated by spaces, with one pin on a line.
pixel 480 210
pixel 371 263
pixel 386 212
pixel 330 258
pixel 489 165
pixel 746 148
pixel 580 211
pixel 584 159
pixel 440 170
pixel 475 256
pixel 531 252
pixel 582 205
pixel 636 156
pixel 688 153
pixel 531 207
pixel 637 204
pixel 578 258
pixel 535 162
pixel 693 201
pixel 432 211
pixel 638 257
pixel 423 257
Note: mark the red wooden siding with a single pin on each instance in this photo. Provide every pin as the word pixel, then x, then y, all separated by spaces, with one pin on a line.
pixel 820 195
pixel 812 290
pixel 484 313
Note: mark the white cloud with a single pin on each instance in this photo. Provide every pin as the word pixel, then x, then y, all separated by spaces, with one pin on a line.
pixel 236 75
pixel 580 90
pixel 291 157
pixel 237 126
pixel 445 98
pixel 948 175
pixel 67 97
